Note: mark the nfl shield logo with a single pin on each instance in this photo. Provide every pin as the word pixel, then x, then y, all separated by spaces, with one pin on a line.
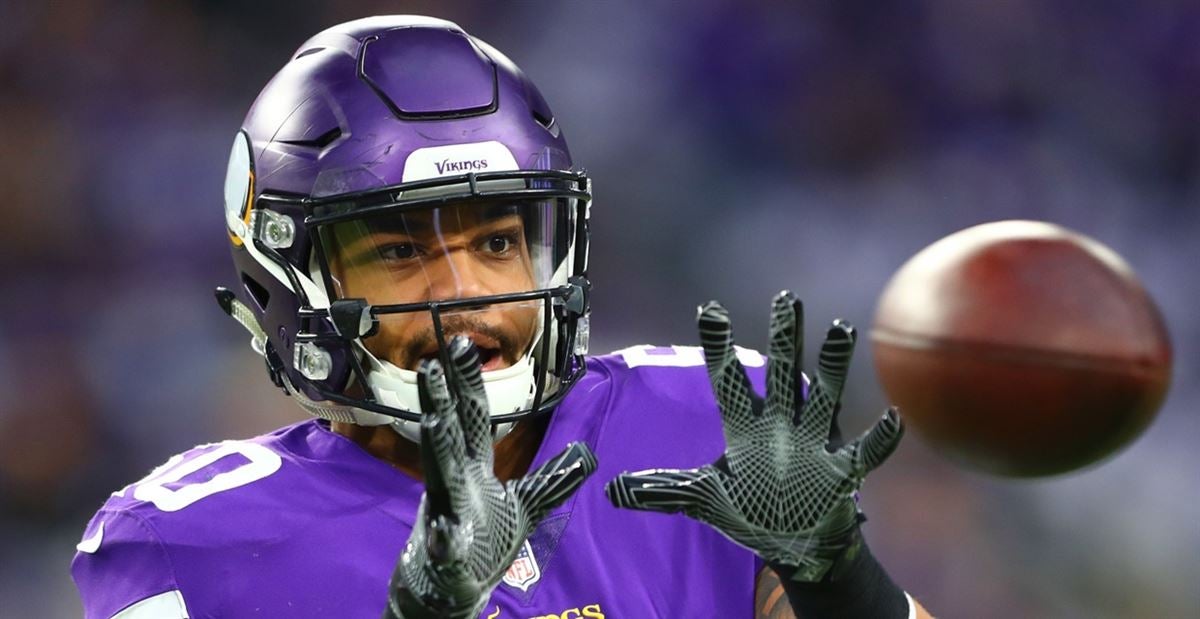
pixel 524 570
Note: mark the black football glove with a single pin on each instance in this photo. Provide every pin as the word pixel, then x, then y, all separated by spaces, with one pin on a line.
pixel 781 489
pixel 469 526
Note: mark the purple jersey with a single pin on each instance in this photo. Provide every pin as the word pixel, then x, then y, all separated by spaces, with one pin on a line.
pixel 303 523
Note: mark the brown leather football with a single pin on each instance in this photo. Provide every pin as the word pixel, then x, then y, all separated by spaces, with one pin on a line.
pixel 1021 348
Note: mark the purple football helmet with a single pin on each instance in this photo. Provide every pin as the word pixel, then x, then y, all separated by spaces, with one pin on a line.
pixel 397 183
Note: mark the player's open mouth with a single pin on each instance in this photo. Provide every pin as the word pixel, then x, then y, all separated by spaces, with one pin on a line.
pixel 491 357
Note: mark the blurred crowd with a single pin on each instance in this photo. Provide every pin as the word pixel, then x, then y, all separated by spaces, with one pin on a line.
pixel 737 148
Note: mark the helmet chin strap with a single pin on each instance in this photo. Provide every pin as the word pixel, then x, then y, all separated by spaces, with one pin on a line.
pixel 508 390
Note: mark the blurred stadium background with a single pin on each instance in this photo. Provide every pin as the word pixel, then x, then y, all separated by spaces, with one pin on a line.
pixel 737 148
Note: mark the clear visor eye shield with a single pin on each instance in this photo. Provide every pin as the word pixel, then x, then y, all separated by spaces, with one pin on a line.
pixel 393 274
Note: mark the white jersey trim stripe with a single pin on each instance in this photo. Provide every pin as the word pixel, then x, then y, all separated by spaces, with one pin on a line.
pixel 168 605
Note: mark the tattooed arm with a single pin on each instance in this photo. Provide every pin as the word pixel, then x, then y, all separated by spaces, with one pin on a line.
pixel 771 601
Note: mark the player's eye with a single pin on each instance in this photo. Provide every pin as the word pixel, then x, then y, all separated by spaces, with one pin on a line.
pixel 500 244
pixel 399 252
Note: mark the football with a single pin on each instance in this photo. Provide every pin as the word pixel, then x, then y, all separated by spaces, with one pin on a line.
pixel 1021 348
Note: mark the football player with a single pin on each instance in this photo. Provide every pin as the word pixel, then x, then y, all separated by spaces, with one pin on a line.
pixel 411 244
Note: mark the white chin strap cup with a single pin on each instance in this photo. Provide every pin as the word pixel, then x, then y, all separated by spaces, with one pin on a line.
pixel 508 390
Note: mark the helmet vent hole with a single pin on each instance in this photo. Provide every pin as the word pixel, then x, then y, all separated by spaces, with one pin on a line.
pixel 321 141
pixel 260 295
pixel 308 52
pixel 327 138
pixel 542 119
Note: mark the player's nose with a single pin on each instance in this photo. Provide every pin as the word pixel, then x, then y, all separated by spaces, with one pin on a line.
pixel 455 275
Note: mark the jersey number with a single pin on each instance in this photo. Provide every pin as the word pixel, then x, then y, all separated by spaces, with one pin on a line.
pixel 260 463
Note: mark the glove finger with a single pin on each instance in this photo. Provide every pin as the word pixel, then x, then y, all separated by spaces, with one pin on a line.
pixel 474 412
pixel 551 484
pixel 783 360
pixel 878 443
pixel 442 541
pixel 442 449
pixel 835 441
pixel 735 398
pixel 820 410
pixel 667 490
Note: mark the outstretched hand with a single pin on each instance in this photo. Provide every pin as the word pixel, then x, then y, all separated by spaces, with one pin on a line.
pixel 784 487
pixel 469 526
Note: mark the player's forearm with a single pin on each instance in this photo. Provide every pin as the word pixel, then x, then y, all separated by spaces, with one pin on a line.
pixel 771 600
pixel 857 587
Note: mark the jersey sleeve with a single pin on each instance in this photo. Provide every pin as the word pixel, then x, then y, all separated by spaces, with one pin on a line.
pixel 123 571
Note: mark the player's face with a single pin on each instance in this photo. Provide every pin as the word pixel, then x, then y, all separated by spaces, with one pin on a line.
pixel 439 254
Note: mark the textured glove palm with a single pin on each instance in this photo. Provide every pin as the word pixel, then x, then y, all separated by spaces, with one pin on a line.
pixel 781 489
pixel 469 526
